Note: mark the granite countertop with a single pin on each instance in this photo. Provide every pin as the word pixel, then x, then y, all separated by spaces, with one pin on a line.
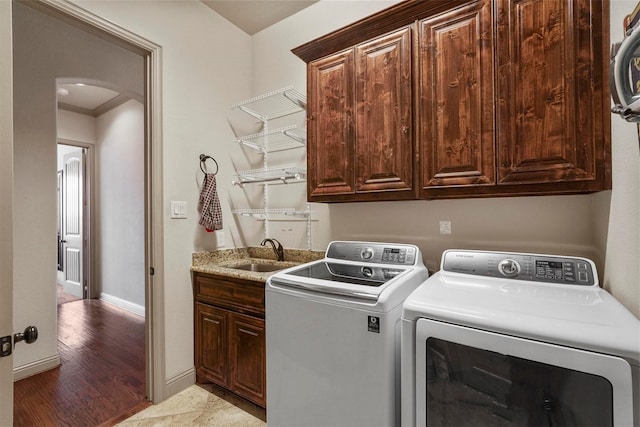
pixel 221 262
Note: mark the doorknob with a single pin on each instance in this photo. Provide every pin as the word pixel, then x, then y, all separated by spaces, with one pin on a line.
pixel 30 335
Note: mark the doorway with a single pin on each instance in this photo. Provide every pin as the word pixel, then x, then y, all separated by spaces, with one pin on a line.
pixel 72 219
pixel 34 129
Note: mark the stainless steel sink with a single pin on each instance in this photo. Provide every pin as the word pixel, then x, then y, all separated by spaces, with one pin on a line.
pixel 258 267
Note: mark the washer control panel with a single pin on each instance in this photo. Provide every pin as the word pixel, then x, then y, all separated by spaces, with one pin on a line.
pixel 519 266
pixel 378 253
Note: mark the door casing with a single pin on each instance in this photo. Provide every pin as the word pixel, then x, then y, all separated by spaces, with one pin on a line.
pixel 6 208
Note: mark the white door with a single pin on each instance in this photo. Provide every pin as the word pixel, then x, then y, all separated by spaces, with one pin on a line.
pixel 72 227
pixel 6 210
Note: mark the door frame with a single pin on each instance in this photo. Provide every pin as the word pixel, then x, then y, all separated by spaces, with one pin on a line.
pixel 154 247
pixel 6 208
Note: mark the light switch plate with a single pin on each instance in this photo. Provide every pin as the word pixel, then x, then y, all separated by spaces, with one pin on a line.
pixel 178 209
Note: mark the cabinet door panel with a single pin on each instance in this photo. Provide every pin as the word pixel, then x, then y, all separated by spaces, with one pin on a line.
pixel 456 103
pixel 212 344
pixel 248 376
pixel 330 151
pixel 549 91
pixel 384 151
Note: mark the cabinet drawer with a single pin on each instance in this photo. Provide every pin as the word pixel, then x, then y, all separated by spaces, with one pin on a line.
pixel 244 296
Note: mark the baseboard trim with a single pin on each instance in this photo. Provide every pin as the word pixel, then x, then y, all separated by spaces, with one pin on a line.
pixel 72 289
pixel 123 304
pixel 177 383
pixel 37 367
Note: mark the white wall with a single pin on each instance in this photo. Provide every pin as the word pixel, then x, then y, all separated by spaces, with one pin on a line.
pixel 76 127
pixel 120 210
pixel 572 225
pixel 622 273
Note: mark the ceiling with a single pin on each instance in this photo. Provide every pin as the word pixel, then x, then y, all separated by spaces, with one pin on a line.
pixel 87 99
pixel 251 16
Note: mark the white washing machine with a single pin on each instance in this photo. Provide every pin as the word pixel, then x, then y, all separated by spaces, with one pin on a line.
pixel 333 336
pixel 513 339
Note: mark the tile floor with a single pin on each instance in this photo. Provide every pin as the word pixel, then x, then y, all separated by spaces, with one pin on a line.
pixel 199 405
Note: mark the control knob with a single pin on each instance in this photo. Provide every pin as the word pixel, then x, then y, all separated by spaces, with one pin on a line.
pixel 367 254
pixel 509 267
pixel 367 272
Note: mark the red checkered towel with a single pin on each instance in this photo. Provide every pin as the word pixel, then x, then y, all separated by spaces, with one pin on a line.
pixel 209 204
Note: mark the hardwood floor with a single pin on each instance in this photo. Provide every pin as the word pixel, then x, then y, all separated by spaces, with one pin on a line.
pixel 101 378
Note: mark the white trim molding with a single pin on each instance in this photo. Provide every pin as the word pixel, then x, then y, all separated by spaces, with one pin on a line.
pixel 123 304
pixel 180 382
pixel 33 368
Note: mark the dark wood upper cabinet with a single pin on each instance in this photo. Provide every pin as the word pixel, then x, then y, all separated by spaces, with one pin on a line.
pixel 456 64
pixel 450 99
pixel 553 121
pixel 330 126
pixel 384 122
pixel 360 143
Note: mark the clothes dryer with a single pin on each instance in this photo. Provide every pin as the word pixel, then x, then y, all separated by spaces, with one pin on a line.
pixel 515 339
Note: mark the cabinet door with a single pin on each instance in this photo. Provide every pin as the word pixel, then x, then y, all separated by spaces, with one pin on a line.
pixel 552 125
pixel 330 143
pixel 248 357
pixel 211 344
pixel 456 99
pixel 384 127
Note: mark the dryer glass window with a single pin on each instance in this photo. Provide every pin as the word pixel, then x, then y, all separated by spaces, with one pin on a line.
pixel 468 386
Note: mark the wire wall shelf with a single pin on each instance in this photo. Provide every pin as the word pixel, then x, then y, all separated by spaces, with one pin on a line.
pixel 274 140
pixel 273 105
pixel 273 214
pixel 273 175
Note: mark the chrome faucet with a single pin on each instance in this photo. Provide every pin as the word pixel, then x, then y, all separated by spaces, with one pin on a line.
pixel 279 250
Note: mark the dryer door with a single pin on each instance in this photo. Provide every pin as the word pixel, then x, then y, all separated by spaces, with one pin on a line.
pixel 465 375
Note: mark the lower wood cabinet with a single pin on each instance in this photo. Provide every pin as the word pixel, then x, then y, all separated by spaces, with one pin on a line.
pixel 230 348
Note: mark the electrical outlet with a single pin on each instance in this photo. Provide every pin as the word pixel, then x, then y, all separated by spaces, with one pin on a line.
pixel 220 238
pixel 445 227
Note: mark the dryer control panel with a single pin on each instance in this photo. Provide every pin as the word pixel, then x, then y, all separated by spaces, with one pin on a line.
pixel 521 266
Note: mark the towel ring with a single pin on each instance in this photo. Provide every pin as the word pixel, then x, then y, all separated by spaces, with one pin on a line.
pixel 203 159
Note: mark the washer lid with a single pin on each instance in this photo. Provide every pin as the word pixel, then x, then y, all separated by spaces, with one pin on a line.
pixel 347 279
pixel 364 275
